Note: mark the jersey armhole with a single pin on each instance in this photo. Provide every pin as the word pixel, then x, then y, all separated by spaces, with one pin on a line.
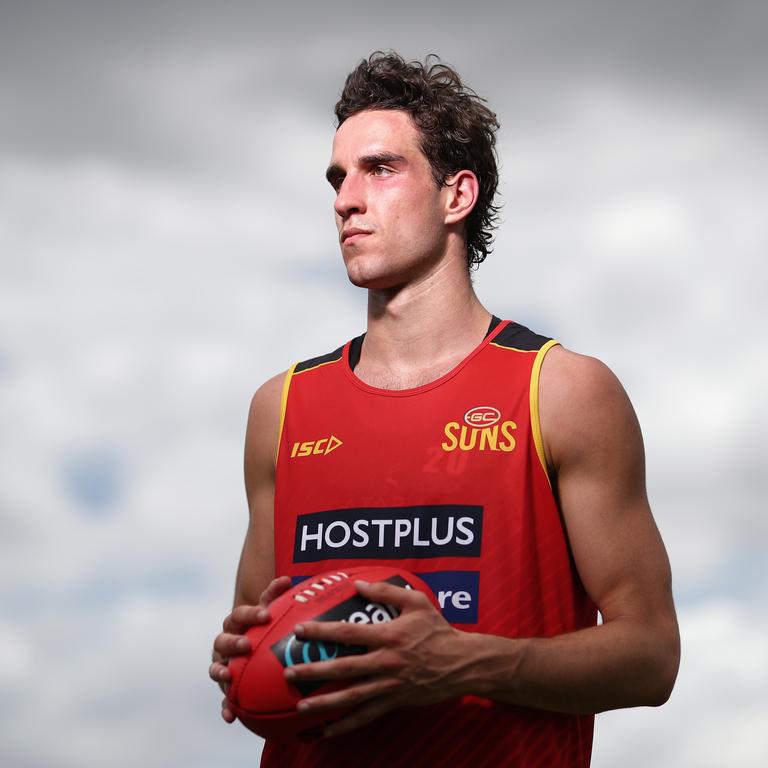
pixel 534 400
pixel 283 406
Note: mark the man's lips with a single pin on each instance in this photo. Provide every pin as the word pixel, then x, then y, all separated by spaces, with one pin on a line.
pixel 353 233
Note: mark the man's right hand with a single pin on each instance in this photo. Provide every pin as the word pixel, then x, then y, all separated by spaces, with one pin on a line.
pixel 232 641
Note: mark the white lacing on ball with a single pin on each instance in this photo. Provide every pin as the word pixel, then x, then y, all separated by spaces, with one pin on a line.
pixel 316 586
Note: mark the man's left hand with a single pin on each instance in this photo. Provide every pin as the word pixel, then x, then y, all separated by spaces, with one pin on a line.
pixel 417 658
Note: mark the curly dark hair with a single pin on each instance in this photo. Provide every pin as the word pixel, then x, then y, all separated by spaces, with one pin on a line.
pixel 458 132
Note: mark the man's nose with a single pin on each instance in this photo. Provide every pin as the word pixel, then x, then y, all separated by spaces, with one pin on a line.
pixel 350 198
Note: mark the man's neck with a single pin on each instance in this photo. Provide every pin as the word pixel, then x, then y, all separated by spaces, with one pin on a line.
pixel 421 331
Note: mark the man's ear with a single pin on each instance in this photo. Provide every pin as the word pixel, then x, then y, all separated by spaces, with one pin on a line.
pixel 462 190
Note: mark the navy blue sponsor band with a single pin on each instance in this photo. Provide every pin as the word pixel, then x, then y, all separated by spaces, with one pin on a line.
pixel 457 592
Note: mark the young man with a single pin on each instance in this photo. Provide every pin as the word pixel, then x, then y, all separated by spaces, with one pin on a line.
pixel 505 470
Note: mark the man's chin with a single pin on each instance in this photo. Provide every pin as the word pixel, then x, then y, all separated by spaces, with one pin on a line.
pixel 376 273
pixel 374 282
pixel 365 275
pixel 371 285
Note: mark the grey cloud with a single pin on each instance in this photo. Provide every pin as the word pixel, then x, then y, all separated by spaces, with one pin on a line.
pixel 145 81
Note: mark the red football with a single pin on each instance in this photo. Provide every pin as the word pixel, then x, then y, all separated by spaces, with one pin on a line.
pixel 259 694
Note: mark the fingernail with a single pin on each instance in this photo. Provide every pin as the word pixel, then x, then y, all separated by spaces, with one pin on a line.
pixel 262 615
pixel 302 706
pixel 361 583
pixel 243 644
pixel 290 674
pixel 298 629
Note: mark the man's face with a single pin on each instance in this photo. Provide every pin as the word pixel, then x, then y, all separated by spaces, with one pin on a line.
pixel 389 211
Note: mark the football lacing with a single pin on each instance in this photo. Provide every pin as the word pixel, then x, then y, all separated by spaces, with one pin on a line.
pixel 316 586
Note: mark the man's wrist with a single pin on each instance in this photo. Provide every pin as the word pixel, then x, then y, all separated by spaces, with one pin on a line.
pixel 492 665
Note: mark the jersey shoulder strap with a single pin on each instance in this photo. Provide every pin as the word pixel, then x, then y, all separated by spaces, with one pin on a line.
pixel 519 338
pixel 316 362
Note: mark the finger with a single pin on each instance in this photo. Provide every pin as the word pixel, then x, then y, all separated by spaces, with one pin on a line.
pixel 368 664
pixel 349 697
pixel 275 589
pixel 227 645
pixel 370 635
pixel 226 713
pixel 244 616
pixel 219 672
pixel 363 716
pixel 399 597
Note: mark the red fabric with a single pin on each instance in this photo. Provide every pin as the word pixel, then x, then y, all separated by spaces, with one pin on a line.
pixel 509 558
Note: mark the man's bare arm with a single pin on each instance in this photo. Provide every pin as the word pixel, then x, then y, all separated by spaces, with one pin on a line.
pixel 255 585
pixel 257 559
pixel 595 449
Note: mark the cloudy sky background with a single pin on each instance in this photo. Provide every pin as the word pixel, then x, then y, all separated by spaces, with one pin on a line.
pixel 167 243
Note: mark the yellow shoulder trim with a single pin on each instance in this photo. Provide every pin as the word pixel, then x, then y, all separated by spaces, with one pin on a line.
pixel 513 349
pixel 534 397
pixel 283 404
pixel 315 367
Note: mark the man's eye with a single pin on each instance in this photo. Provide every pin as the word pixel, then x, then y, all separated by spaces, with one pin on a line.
pixel 381 170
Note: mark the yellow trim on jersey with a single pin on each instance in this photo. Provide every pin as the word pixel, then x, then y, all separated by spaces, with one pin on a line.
pixel 512 349
pixel 283 404
pixel 315 367
pixel 534 397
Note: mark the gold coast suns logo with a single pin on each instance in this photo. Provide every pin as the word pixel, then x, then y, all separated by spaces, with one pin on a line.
pixel 482 430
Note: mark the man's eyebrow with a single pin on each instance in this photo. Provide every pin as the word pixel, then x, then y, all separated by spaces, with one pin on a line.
pixel 336 172
pixel 380 158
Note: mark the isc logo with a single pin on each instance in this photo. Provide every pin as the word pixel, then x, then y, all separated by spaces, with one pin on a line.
pixel 320 447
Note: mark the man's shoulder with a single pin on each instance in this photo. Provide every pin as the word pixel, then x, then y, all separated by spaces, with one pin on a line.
pixel 265 403
pixel 583 375
pixel 267 399
pixel 582 402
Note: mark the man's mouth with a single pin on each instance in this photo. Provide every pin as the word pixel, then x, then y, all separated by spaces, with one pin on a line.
pixel 350 235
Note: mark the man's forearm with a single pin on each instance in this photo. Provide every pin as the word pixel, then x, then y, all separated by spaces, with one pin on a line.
pixel 614 665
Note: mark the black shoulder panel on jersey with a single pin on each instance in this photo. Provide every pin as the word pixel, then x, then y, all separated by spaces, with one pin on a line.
pixel 516 336
pixel 492 327
pixel 355 350
pixel 331 357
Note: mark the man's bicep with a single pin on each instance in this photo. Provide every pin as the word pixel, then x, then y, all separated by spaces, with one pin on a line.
pixel 257 560
pixel 598 459
pixel 617 550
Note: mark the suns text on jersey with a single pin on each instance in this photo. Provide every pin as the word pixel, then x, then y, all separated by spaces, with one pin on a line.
pixel 499 437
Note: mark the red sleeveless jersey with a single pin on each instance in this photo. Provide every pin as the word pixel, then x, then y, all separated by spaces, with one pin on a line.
pixel 447 480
